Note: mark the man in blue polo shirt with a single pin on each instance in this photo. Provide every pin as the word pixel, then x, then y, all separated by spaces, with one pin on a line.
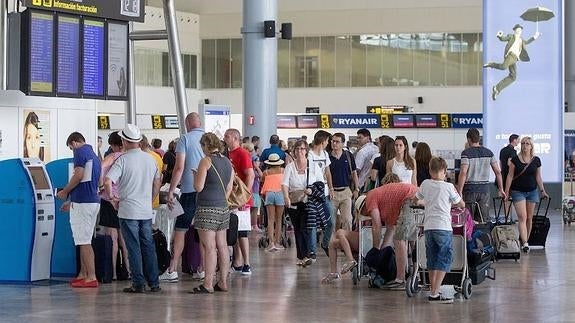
pixel 273 149
pixel 188 155
pixel 84 205
pixel 343 174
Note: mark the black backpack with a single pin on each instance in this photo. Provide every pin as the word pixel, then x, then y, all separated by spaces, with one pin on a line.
pixel 383 262
pixel 162 252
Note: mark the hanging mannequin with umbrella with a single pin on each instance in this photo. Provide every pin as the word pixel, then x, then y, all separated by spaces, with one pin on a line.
pixel 515 49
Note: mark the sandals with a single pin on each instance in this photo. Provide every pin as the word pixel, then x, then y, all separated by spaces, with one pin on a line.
pixel 330 278
pixel 217 288
pixel 348 266
pixel 201 290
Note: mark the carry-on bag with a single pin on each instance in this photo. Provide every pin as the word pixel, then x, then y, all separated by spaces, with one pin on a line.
pixel 102 245
pixel 505 235
pixel 540 226
pixel 163 254
pixel 191 256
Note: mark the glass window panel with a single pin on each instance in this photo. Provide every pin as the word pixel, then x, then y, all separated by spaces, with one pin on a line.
pixel 283 62
pixel 312 62
pixel 208 63
pixel 479 48
pixel 471 60
pixel 343 61
pixel 453 59
pixel 297 62
pixel 405 59
pixel 139 62
pixel 223 71
pixel 373 59
pixel 358 56
pixel 166 71
pixel 420 59
pixel 437 55
pixel 327 61
pixel 236 63
pixel 190 70
pixel 390 59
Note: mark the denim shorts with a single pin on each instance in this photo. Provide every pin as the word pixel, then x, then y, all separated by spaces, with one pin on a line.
pixel 438 249
pixel 274 198
pixel 188 201
pixel 531 196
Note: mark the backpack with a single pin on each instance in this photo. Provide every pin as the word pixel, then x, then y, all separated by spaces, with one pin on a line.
pixel 163 254
pixel 382 261
pixel 479 248
pixel 506 239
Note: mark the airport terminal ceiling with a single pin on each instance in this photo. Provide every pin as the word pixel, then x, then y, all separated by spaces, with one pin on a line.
pixel 235 6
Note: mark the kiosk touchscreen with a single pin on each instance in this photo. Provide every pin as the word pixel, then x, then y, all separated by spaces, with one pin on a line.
pixel 27 211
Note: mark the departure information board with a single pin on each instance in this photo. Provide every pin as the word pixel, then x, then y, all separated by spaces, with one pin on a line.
pixel 93 58
pixel 68 55
pixel 41 78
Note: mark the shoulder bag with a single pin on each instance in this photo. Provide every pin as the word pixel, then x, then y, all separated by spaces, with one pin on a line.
pixel 299 196
pixel 240 194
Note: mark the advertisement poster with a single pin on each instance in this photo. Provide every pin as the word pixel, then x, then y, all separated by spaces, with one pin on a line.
pixel 36 134
pixel 523 78
pixel 117 60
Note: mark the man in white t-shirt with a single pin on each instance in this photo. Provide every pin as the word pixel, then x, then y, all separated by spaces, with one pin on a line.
pixel 138 180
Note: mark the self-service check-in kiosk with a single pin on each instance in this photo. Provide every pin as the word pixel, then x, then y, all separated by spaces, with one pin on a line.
pixel 27 225
pixel 64 251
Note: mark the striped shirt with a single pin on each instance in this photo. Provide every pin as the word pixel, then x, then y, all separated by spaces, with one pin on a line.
pixel 479 160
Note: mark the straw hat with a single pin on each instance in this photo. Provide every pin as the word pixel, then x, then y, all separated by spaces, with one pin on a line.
pixel 274 160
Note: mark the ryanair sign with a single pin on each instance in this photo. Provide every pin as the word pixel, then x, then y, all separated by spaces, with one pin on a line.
pixel 467 120
pixel 354 121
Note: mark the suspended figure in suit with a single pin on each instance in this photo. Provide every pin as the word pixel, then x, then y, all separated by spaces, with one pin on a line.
pixel 515 50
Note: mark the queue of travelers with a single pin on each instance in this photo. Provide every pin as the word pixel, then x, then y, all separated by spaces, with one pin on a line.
pixel 320 190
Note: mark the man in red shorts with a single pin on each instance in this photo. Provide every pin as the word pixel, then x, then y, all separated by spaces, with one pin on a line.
pixel 389 203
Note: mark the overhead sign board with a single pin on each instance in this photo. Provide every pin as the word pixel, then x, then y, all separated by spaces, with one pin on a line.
pixel 127 10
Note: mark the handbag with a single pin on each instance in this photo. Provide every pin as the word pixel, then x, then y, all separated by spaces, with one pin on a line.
pixel 240 194
pixel 299 196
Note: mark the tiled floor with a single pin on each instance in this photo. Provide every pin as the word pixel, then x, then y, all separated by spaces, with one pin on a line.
pixel 537 289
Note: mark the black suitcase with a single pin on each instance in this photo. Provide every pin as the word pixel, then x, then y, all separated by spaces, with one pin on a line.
pixel 102 245
pixel 540 227
pixel 480 272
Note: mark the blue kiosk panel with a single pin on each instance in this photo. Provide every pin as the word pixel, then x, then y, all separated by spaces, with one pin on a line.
pixel 64 251
pixel 16 231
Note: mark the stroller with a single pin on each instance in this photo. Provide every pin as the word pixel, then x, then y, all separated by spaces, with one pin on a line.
pixel 264 241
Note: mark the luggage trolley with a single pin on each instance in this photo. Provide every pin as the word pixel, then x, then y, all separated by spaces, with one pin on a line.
pixel 459 274
pixel 365 244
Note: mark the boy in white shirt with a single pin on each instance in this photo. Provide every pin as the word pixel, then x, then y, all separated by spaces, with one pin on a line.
pixel 438 196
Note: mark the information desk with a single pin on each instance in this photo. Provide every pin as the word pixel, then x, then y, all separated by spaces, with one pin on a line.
pixel 27 230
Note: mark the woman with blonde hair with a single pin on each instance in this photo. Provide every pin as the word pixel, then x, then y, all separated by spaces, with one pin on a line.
pixel 213 182
pixel 524 183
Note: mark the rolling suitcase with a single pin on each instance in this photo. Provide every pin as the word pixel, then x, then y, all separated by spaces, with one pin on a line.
pixel 540 226
pixel 102 245
pixel 191 256
pixel 505 235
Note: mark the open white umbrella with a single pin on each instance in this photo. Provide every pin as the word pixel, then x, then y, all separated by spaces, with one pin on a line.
pixel 537 14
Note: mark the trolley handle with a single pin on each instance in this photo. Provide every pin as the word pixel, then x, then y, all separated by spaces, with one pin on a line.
pixel 546 208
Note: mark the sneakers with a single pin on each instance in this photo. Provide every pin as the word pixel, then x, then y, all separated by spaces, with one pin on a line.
pixel 495 93
pixel 236 269
pixel 330 278
pixel 155 289
pixel 199 275
pixel 134 290
pixel 246 270
pixel 313 258
pixel 525 248
pixel 348 266
pixel 169 277
pixel 307 261
pixel 439 299
pixel 394 285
